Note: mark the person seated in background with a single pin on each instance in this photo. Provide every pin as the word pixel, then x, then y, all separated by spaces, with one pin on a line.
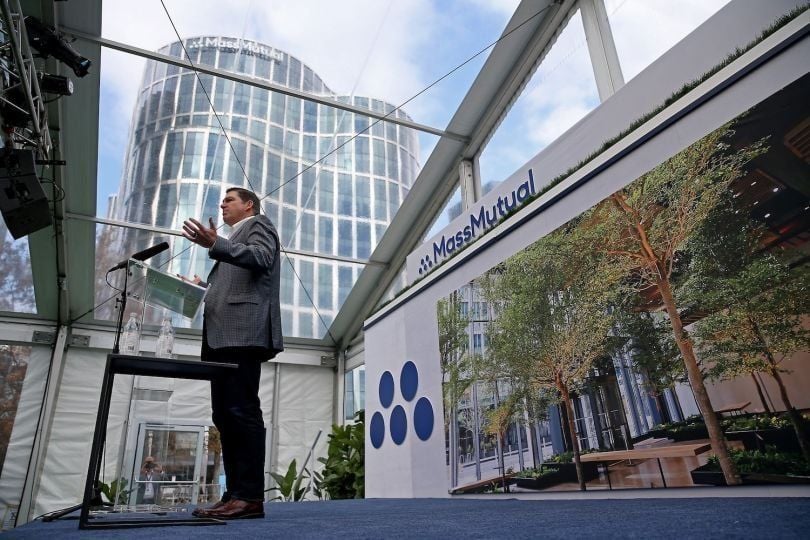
pixel 148 487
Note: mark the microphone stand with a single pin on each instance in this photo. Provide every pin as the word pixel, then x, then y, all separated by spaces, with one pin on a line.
pixel 122 302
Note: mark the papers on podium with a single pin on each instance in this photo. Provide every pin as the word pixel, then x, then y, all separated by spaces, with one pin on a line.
pixel 169 291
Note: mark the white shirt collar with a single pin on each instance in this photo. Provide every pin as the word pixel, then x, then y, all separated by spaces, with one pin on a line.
pixel 238 224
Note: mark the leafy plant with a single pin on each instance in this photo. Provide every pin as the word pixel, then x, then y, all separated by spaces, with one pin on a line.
pixel 116 491
pixel 343 475
pixel 289 485
pixel 768 462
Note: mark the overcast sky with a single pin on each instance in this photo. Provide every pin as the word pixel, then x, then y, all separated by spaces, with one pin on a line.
pixel 392 50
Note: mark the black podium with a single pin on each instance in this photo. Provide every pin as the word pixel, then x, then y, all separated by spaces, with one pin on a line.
pixel 119 364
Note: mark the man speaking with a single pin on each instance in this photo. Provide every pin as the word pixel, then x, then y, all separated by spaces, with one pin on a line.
pixel 242 326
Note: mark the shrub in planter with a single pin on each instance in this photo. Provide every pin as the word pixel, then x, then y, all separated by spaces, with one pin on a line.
pixel 757 467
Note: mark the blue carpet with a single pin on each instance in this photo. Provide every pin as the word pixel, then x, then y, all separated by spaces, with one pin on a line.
pixel 474 518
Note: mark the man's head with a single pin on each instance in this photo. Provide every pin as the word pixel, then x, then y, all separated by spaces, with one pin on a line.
pixel 238 204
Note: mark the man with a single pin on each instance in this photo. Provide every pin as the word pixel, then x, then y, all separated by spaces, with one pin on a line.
pixel 148 487
pixel 241 325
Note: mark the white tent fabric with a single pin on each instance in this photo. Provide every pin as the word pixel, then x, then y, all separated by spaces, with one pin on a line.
pixel 305 406
pixel 15 465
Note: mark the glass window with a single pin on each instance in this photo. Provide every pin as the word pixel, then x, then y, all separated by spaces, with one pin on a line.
pixel 258 129
pixel 236 162
pixel 310 117
pixel 17 286
pixel 288 226
pixel 326 151
pixel 391 132
pixel 294 114
pixel 379 157
pixel 241 99
pixel 208 56
pixel 188 205
pixel 362 162
pixel 361 123
pixel 262 67
pixel 291 190
pixel 393 169
pixel 223 94
pixel 325 237
pixel 306 282
pixel 345 282
pixel 276 139
pixel 327 119
pixel 310 151
pixel 273 173
pixel 192 155
pixel 307 232
pixel 255 167
pixel 344 153
pixel 362 196
pixel 280 69
pixel 308 195
pixel 345 122
pixel 226 60
pixel 309 78
pixel 287 284
pixel 172 155
pixel 200 99
pixel 215 157
pixel 345 237
pixel 167 203
pixel 363 240
pixel 380 206
pixel 305 324
pixel 211 203
pixel 325 300
pixel 245 63
pixel 326 191
pixel 295 73
pixel 345 196
pixel 291 143
pixel 186 92
pixel 393 198
pixel 278 103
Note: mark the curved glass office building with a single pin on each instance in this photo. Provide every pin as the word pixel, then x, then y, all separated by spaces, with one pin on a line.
pixel 330 196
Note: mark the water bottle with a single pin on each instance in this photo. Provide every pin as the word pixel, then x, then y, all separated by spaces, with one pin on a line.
pixel 165 340
pixel 131 338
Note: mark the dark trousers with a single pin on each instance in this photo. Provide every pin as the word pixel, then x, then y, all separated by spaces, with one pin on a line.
pixel 237 414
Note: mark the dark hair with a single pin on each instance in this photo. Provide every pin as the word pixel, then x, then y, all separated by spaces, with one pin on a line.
pixel 247 195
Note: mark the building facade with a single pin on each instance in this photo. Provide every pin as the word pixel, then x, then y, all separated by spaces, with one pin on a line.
pixel 330 180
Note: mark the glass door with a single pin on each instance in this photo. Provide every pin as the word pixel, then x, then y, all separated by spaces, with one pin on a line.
pixel 168 465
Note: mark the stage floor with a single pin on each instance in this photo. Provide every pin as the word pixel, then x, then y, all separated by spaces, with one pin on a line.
pixel 503 516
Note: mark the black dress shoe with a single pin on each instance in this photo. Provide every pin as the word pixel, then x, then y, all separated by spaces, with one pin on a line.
pixel 202 512
pixel 237 509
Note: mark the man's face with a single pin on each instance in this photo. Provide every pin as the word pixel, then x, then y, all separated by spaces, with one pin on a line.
pixel 235 209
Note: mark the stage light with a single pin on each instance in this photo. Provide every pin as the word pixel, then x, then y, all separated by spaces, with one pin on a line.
pixel 48 43
pixel 55 84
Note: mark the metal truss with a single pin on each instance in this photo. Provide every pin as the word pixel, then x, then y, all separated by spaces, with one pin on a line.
pixel 20 95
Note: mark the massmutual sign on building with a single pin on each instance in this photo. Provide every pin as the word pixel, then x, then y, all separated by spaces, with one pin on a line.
pixel 484 215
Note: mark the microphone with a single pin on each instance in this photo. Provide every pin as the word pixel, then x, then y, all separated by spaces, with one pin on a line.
pixel 143 255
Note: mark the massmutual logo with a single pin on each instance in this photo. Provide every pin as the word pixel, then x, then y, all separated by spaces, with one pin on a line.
pixel 421 411
pixel 232 45
pixel 478 220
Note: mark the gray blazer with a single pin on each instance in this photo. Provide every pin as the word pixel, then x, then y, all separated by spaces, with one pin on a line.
pixel 242 300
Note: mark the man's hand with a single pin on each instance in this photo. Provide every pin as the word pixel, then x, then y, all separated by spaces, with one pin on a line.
pixel 195 280
pixel 200 234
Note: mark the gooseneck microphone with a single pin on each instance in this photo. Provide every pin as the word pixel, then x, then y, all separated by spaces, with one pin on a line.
pixel 142 255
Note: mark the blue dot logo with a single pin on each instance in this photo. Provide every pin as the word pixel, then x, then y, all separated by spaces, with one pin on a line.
pixel 386 389
pixel 423 418
pixel 409 381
